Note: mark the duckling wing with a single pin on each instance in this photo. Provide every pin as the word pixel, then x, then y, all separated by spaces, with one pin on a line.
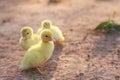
pixel 57 33
pixel 37 55
pixel 32 59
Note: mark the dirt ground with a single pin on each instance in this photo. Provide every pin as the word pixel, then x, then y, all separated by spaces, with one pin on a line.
pixel 95 58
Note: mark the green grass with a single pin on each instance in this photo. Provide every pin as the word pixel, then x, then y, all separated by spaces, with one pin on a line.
pixel 108 26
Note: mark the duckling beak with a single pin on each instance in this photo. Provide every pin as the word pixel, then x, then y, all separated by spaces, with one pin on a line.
pixel 53 39
pixel 23 38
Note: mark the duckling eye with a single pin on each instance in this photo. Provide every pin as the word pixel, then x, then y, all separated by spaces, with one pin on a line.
pixel 27 32
pixel 46 36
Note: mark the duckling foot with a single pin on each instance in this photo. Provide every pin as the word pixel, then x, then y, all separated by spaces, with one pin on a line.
pixel 42 72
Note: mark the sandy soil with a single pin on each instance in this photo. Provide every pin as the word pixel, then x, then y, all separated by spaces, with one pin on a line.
pixel 95 58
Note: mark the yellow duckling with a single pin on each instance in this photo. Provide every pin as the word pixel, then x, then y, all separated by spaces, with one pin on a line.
pixel 57 34
pixel 38 54
pixel 28 38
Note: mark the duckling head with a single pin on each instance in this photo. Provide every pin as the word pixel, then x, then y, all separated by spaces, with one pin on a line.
pixel 26 33
pixel 46 35
pixel 46 24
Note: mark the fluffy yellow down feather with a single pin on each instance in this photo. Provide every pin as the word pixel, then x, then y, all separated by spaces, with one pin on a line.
pixel 28 38
pixel 57 33
pixel 38 54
